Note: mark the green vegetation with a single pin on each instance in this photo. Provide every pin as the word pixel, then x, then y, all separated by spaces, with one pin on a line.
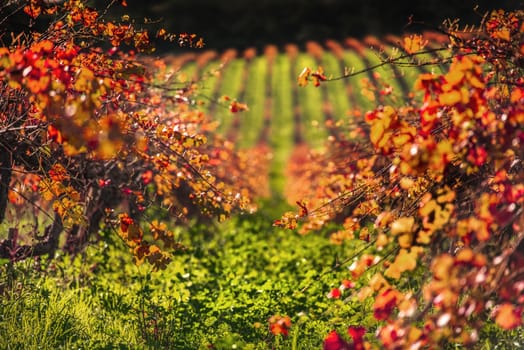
pixel 220 291
pixel 281 130
pixel 253 119
pixel 336 89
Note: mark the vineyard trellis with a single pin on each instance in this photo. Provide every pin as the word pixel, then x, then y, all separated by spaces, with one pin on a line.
pixel 285 117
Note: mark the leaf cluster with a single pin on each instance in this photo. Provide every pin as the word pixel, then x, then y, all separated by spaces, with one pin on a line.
pixel 95 135
pixel 436 187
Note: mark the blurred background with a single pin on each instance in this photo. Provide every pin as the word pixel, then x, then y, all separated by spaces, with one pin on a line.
pixel 248 23
pixel 255 23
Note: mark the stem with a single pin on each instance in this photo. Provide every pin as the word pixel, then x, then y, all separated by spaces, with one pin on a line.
pixel 6 171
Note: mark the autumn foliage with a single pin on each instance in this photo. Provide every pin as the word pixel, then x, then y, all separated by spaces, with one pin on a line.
pixel 93 135
pixel 96 137
pixel 435 189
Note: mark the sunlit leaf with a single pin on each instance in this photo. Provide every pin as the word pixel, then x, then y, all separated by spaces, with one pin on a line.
pixel 303 77
pixel 414 43
pixel 402 225
pixel 508 316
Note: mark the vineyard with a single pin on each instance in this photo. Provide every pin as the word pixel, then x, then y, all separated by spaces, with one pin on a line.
pixel 281 114
pixel 344 194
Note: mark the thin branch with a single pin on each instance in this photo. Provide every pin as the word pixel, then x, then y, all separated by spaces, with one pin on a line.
pixel 396 60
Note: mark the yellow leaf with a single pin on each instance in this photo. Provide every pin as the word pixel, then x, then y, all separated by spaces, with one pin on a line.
pixel 84 79
pixel 406 183
pixel 376 132
pixel 45 189
pixel 476 82
pixel 304 76
pixel 382 240
pixel 405 240
pixel 454 77
pixel 447 197
pixel 441 267
pixel 424 80
pixel 370 95
pixel 404 261
pixel 465 255
pixel 402 225
pixel 377 282
pixel 108 149
pixel 450 98
pixel 502 34
pixel 427 205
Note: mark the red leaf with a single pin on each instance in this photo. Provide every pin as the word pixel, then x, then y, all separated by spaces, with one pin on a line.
pixel 54 134
pixel 346 284
pixel 103 182
pixel 125 222
pixel 357 334
pixel 334 342
pixel 236 107
pixel 384 304
pixel 279 325
pixel 147 177
pixel 334 293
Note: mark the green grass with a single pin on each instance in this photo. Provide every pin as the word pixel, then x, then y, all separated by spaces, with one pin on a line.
pixel 187 73
pixel 221 291
pixel 218 294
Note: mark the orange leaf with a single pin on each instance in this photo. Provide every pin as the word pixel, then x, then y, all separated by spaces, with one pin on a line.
pixel 33 10
pixel 125 221
pixel 414 43
pixel 503 34
pixel 318 76
pixel 54 134
pixel 384 304
pixel 454 77
pixel 303 209
pixel 279 324
pixel 236 107
pixel 508 316
pixel 303 77
pixel 403 262
pixel 450 98
pixel 58 173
